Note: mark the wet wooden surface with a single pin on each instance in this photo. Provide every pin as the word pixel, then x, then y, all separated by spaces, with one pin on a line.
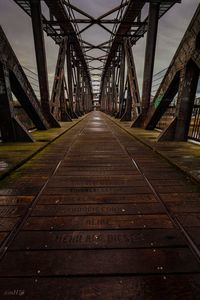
pixel 184 155
pixel 13 155
pixel 94 216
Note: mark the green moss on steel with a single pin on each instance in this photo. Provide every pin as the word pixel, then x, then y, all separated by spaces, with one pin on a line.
pixel 157 100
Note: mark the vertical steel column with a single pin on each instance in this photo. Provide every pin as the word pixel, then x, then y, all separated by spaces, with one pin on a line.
pixel 113 89
pixel 90 96
pixel 109 92
pixel 86 97
pixel 128 105
pixel 81 91
pixel 78 89
pixel 150 55
pixel 103 95
pixel 38 34
pixel 70 79
pixel 132 78
pixel 58 85
pixel 122 78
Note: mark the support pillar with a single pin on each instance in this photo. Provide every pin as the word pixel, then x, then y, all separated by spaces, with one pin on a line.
pixel 121 85
pixel 78 90
pixel 150 56
pixel 64 116
pixel 38 34
pixel 128 105
pixel 69 80
pixel 113 88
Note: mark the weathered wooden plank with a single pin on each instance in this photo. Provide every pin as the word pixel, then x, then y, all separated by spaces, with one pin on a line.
pixel 184 206
pixel 97 217
pixel 79 198
pixel 95 182
pixel 15 200
pixel 180 197
pixel 96 262
pixel 146 238
pixel 177 189
pixel 98 222
pixel 173 175
pixel 2 236
pixel 12 211
pixel 194 233
pixel 100 172
pixel 146 287
pixel 189 220
pixel 7 224
pixel 167 182
pixel 108 209
pixel 98 190
pixel 26 191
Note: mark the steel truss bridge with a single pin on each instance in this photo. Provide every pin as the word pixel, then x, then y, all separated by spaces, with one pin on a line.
pixel 94 213
pixel 112 83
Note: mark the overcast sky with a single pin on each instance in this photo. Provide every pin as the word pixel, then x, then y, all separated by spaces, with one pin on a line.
pixel 17 26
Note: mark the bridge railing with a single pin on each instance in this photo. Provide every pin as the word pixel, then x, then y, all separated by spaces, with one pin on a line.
pixel 194 132
pixel 170 113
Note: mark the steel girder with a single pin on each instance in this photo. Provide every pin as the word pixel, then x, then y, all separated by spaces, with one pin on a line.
pixel 58 26
pixel 132 12
pixel 14 79
pixel 58 101
pixel 50 30
pixel 182 77
pixel 131 18
pixel 131 21
pixel 57 10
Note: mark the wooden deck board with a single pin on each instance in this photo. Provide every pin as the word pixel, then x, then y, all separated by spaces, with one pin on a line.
pixel 86 219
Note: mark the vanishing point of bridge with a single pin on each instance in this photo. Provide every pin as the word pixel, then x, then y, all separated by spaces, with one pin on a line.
pixel 99 193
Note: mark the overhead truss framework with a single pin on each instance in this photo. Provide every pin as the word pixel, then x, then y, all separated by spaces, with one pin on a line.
pixel 109 77
pixel 130 29
pixel 122 21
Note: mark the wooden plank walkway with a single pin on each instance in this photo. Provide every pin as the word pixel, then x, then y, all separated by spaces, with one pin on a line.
pixel 97 215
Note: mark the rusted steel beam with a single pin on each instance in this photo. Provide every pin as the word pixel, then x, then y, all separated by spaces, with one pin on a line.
pixel 133 82
pixel 121 84
pixel 165 6
pixel 58 10
pixel 11 128
pixel 58 95
pixel 77 9
pixel 150 55
pixel 127 115
pixel 36 17
pixel 69 79
pixel 59 26
pixel 47 27
pixel 97 21
pixel 110 12
pixel 19 84
pixel 77 95
pixel 186 52
pixel 64 108
pixel 132 11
